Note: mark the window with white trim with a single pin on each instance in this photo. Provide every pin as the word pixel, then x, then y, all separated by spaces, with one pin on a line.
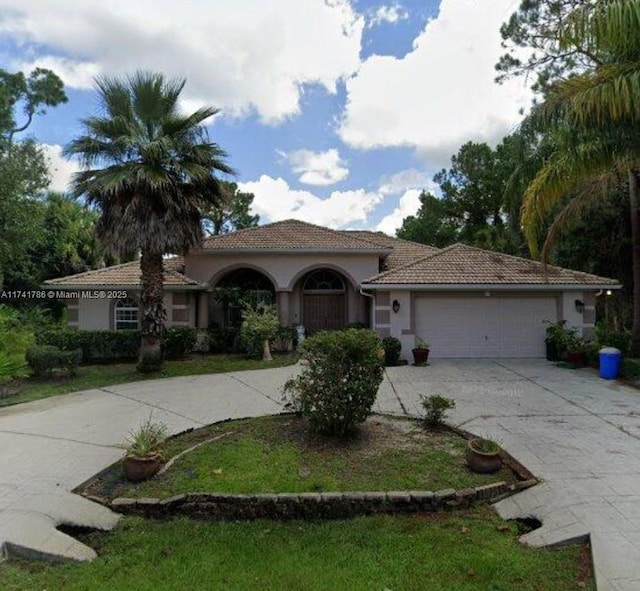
pixel 125 314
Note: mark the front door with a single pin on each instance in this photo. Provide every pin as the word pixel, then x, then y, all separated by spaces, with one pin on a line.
pixel 324 312
pixel 324 301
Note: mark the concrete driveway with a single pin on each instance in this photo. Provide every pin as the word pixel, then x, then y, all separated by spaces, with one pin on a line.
pixel 578 433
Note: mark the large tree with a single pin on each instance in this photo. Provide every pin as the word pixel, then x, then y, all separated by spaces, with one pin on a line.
pixel 23 169
pixel 534 47
pixel 150 171
pixel 595 119
pixel 431 224
pixel 232 214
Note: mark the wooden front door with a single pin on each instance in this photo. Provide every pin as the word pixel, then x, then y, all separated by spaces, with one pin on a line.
pixel 324 311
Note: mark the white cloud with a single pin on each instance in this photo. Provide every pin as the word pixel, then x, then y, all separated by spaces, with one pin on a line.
pixel 243 56
pixel 388 14
pixel 317 168
pixel 275 200
pixel 407 179
pixel 74 74
pixel 442 93
pixel 408 205
pixel 60 169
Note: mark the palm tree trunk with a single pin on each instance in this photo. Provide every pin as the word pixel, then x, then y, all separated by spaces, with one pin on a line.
pixel 153 312
pixel 635 245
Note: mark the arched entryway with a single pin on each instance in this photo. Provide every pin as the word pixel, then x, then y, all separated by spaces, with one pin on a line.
pixel 239 285
pixel 324 300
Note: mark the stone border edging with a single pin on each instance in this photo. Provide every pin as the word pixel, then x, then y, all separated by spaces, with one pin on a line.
pixel 329 505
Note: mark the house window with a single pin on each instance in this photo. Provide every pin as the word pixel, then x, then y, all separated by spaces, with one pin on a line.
pixel 324 281
pixel 125 315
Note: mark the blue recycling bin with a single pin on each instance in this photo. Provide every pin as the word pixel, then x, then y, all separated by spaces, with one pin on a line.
pixel 610 358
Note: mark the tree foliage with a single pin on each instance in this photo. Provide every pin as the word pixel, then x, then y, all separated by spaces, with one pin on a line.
pixel 23 169
pixel 533 46
pixel 23 97
pixel 232 214
pixel 595 121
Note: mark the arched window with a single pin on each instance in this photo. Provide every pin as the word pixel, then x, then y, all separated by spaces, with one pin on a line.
pixel 325 281
pixel 125 314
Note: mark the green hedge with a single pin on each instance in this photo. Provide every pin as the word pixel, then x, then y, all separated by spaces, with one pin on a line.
pixel 115 346
pixel 45 359
pixel 178 342
pixel 97 346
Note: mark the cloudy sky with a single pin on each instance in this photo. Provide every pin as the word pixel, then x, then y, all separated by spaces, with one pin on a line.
pixel 336 112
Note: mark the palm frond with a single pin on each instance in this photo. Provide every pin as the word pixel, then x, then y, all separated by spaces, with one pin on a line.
pixel 561 174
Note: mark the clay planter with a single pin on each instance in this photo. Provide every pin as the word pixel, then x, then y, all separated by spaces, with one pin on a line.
pixel 482 461
pixel 138 469
pixel 420 356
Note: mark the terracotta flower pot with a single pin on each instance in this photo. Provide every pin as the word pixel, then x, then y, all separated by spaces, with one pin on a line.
pixel 420 356
pixel 482 461
pixel 138 469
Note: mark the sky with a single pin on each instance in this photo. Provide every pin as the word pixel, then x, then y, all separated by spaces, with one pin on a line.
pixel 335 112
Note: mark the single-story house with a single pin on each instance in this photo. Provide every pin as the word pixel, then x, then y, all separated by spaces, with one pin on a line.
pixel 464 301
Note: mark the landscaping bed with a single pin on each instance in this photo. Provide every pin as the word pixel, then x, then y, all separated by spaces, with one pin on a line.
pixel 465 551
pixel 280 455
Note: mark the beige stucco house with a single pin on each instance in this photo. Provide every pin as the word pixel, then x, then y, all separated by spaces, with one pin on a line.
pixel 464 301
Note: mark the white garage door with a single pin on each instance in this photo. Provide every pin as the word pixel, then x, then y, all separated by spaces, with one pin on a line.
pixel 484 327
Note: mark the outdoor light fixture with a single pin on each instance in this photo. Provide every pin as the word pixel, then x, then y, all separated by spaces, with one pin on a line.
pixel 579 306
pixel 609 292
pixel 395 306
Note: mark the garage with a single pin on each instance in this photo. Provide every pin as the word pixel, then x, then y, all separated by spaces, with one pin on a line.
pixel 484 326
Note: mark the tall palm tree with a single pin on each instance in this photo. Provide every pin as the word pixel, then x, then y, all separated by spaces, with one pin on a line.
pixel 150 171
pixel 595 118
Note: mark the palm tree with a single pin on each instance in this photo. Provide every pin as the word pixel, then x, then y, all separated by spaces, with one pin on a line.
pixel 150 171
pixel 595 120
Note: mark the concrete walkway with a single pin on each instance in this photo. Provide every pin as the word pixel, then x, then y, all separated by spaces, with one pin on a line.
pixel 577 432
pixel 49 447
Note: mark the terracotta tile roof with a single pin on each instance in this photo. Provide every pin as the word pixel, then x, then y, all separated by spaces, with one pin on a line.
pixel 404 251
pixel 290 235
pixel 460 264
pixel 126 274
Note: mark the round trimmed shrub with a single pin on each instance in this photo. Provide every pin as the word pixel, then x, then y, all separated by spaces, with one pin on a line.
pixel 338 386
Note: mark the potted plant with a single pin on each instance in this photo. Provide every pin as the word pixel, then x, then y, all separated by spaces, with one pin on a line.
pixel 576 351
pixel 392 348
pixel 556 339
pixel 483 455
pixel 420 352
pixel 144 451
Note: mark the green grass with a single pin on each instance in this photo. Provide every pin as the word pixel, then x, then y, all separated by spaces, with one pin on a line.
pixel 99 376
pixel 470 551
pixel 277 454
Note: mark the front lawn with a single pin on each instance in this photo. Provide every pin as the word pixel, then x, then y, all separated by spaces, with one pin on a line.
pixel 278 454
pixel 468 551
pixel 99 376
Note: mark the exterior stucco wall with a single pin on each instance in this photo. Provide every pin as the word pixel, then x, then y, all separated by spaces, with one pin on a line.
pixel 283 269
pixel 97 314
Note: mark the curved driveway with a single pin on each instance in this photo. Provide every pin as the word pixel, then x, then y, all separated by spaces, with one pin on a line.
pixel 578 433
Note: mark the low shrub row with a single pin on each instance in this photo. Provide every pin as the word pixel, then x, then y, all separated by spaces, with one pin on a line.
pixel 115 346
pixel 44 360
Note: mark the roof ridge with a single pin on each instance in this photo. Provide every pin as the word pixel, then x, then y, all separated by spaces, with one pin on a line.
pixel 385 235
pixel 292 221
pixel 410 264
